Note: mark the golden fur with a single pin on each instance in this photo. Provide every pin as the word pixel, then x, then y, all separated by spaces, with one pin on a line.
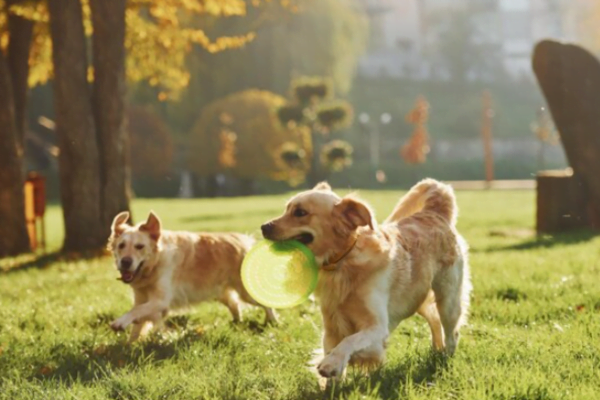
pixel 415 262
pixel 170 270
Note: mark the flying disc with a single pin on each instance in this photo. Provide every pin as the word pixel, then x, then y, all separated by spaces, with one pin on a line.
pixel 280 274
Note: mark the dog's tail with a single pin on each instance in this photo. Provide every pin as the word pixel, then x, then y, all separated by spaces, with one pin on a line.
pixel 427 195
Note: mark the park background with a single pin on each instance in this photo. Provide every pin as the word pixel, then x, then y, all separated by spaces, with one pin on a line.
pixel 190 98
pixel 211 112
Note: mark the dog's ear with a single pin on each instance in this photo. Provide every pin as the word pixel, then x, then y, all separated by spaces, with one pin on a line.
pixel 322 186
pixel 354 212
pixel 152 226
pixel 118 224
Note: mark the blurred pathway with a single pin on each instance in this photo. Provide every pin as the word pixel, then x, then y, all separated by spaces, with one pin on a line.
pixel 498 184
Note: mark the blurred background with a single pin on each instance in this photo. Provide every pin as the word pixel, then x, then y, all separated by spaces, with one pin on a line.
pixel 189 104
pixel 206 98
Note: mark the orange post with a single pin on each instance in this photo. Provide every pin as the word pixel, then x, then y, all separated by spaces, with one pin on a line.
pixel 30 215
pixel 35 208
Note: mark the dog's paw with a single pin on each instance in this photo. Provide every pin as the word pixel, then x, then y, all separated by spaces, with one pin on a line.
pixel 119 325
pixel 332 366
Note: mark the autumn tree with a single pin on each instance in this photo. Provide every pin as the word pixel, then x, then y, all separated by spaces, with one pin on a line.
pixel 312 106
pixel 89 102
pixel 241 136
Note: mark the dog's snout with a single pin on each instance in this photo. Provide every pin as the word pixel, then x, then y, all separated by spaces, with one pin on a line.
pixel 126 262
pixel 267 229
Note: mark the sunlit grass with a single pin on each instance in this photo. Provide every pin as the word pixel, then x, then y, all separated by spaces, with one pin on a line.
pixel 534 330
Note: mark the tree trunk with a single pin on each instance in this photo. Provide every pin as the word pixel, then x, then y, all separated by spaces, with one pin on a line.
pixel 108 18
pixel 13 232
pixel 19 45
pixel 78 159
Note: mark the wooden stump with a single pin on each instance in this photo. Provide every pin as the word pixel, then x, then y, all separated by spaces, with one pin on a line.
pixel 563 202
pixel 569 76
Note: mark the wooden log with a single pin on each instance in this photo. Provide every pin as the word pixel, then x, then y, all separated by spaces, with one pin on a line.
pixel 563 202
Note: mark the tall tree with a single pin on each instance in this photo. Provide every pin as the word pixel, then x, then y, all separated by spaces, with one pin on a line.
pixel 108 19
pixel 78 159
pixel 20 35
pixel 14 68
pixel 13 234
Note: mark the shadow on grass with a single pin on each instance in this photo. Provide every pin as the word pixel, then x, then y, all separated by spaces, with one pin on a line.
pixel 389 381
pixel 230 216
pixel 544 242
pixel 89 362
pixel 35 261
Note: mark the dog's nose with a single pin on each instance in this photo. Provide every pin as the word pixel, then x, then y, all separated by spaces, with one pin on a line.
pixel 267 229
pixel 126 262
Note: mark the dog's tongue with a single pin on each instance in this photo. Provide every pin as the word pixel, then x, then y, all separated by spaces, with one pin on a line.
pixel 126 276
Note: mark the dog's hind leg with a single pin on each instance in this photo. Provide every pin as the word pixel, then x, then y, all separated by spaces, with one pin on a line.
pixel 429 311
pixel 449 293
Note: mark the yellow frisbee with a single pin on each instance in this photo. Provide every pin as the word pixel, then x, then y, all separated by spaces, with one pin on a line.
pixel 280 274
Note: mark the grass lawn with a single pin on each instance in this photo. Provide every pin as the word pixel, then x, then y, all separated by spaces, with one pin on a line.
pixel 534 330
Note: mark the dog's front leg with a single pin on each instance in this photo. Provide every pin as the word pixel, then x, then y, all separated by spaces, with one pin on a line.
pixel 334 364
pixel 140 313
pixel 139 329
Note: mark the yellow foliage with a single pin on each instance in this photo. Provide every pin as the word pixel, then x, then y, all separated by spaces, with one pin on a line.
pixel 40 56
pixel 251 116
pixel 35 11
pixel 3 28
pixel 157 39
pixel 219 8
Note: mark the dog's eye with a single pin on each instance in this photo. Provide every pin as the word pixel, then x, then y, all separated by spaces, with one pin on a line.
pixel 139 246
pixel 121 245
pixel 299 212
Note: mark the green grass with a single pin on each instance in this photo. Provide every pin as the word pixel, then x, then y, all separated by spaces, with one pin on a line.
pixel 534 330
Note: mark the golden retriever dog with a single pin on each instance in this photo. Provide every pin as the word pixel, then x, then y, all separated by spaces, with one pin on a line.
pixel 374 276
pixel 170 270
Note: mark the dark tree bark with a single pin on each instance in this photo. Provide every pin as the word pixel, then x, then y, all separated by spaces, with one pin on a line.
pixel 13 232
pixel 108 18
pixel 19 45
pixel 78 159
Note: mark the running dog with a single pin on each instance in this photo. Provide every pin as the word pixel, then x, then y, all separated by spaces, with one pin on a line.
pixel 170 270
pixel 373 277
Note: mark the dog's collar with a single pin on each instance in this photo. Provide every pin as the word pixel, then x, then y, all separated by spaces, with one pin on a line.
pixel 333 264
